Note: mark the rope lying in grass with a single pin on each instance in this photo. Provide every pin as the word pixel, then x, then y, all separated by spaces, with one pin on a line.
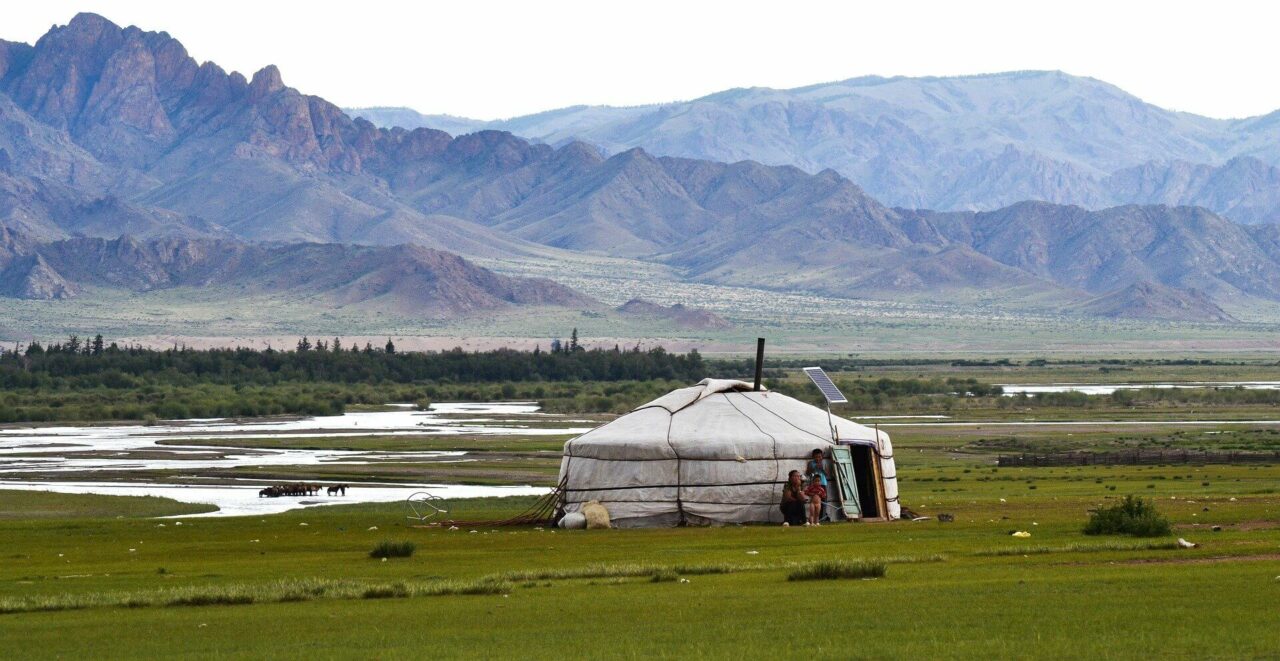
pixel 542 512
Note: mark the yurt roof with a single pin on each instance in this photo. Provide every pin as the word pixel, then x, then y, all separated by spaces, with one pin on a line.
pixel 718 418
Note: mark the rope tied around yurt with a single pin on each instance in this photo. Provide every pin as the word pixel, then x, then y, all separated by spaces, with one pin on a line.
pixel 679 486
pixel 773 440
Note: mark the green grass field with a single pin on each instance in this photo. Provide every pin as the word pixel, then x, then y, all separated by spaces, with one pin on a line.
pixel 963 589
pixel 94 576
pixel 45 505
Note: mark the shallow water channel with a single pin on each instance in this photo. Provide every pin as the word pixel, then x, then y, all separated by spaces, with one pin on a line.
pixel 1011 389
pixel 75 451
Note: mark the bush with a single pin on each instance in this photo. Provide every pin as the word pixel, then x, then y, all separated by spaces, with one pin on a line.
pixel 832 569
pixel 1132 516
pixel 390 549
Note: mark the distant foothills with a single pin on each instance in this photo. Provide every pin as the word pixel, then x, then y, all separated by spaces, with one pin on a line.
pixel 125 164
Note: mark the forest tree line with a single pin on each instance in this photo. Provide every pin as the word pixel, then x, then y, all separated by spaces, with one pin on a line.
pixel 92 379
pixel 91 363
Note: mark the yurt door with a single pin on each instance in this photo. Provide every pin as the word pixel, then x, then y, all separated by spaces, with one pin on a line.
pixel 842 458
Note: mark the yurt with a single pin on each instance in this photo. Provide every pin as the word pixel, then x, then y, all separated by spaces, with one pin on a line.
pixel 719 452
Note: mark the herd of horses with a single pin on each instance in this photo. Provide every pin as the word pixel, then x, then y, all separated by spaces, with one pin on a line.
pixel 302 489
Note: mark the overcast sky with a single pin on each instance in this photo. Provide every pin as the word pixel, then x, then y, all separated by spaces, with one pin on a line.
pixel 490 59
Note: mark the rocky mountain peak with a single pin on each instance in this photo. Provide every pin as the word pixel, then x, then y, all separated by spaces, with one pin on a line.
pixel 13 55
pixel 266 81
pixel 90 23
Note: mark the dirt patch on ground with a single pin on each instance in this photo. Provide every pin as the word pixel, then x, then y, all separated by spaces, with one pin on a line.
pixel 1243 526
pixel 1212 560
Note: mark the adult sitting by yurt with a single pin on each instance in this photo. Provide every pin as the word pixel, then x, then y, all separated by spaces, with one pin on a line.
pixel 720 452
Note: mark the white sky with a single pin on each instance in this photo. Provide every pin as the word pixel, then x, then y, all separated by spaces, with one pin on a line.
pixel 491 59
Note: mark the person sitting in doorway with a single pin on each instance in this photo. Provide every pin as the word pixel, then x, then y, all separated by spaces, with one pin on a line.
pixel 816 468
pixel 817 492
pixel 794 500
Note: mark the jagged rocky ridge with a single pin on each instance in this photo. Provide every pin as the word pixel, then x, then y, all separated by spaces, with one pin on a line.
pixel 110 130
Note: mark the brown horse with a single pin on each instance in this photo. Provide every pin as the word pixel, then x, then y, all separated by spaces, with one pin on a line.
pixel 338 489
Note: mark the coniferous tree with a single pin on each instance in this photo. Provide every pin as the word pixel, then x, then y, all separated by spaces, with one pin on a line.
pixel 304 344
pixel 97 344
pixel 337 345
pixel 573 341
pixel 391 347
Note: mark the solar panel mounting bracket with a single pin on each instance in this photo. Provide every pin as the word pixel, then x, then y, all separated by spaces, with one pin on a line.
pixel 829 392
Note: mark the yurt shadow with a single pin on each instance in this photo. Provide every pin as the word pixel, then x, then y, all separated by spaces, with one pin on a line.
pixel 719 453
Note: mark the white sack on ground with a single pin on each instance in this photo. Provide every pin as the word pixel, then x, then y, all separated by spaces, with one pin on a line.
pixel 597 515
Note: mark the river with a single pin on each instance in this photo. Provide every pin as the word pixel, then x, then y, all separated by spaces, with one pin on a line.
pixel 1011 389
pixel 77 450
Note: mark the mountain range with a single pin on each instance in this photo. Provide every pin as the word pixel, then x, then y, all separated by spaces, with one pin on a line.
pixel 404 279
pixel 960 143
pixel 125 163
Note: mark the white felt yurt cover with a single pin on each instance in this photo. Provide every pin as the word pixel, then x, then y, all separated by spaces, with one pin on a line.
pixel 716 452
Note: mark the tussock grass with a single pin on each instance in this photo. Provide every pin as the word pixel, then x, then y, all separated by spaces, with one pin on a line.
pixel 1080 548
pixel 664 576
pixel 640 570
pixel 620 570
pixel 393 591
pixel 289 590
pixel 393 549
pixel 834 569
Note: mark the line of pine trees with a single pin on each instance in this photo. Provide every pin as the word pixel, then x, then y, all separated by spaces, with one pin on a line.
pixel 79 363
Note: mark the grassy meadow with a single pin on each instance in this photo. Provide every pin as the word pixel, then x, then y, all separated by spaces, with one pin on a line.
pixel 302 583
pixel 103 576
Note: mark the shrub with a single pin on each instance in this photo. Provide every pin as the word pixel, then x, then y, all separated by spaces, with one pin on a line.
pixel 832 569
pixel 1132 516
pixel 390 549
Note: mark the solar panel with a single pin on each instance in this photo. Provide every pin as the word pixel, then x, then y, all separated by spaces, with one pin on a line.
pixel 829 389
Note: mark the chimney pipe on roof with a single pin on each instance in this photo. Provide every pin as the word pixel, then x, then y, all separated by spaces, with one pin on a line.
pixel 759 361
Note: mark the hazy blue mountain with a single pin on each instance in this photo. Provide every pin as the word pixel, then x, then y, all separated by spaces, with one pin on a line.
pixel 411 119
pixel 972 142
